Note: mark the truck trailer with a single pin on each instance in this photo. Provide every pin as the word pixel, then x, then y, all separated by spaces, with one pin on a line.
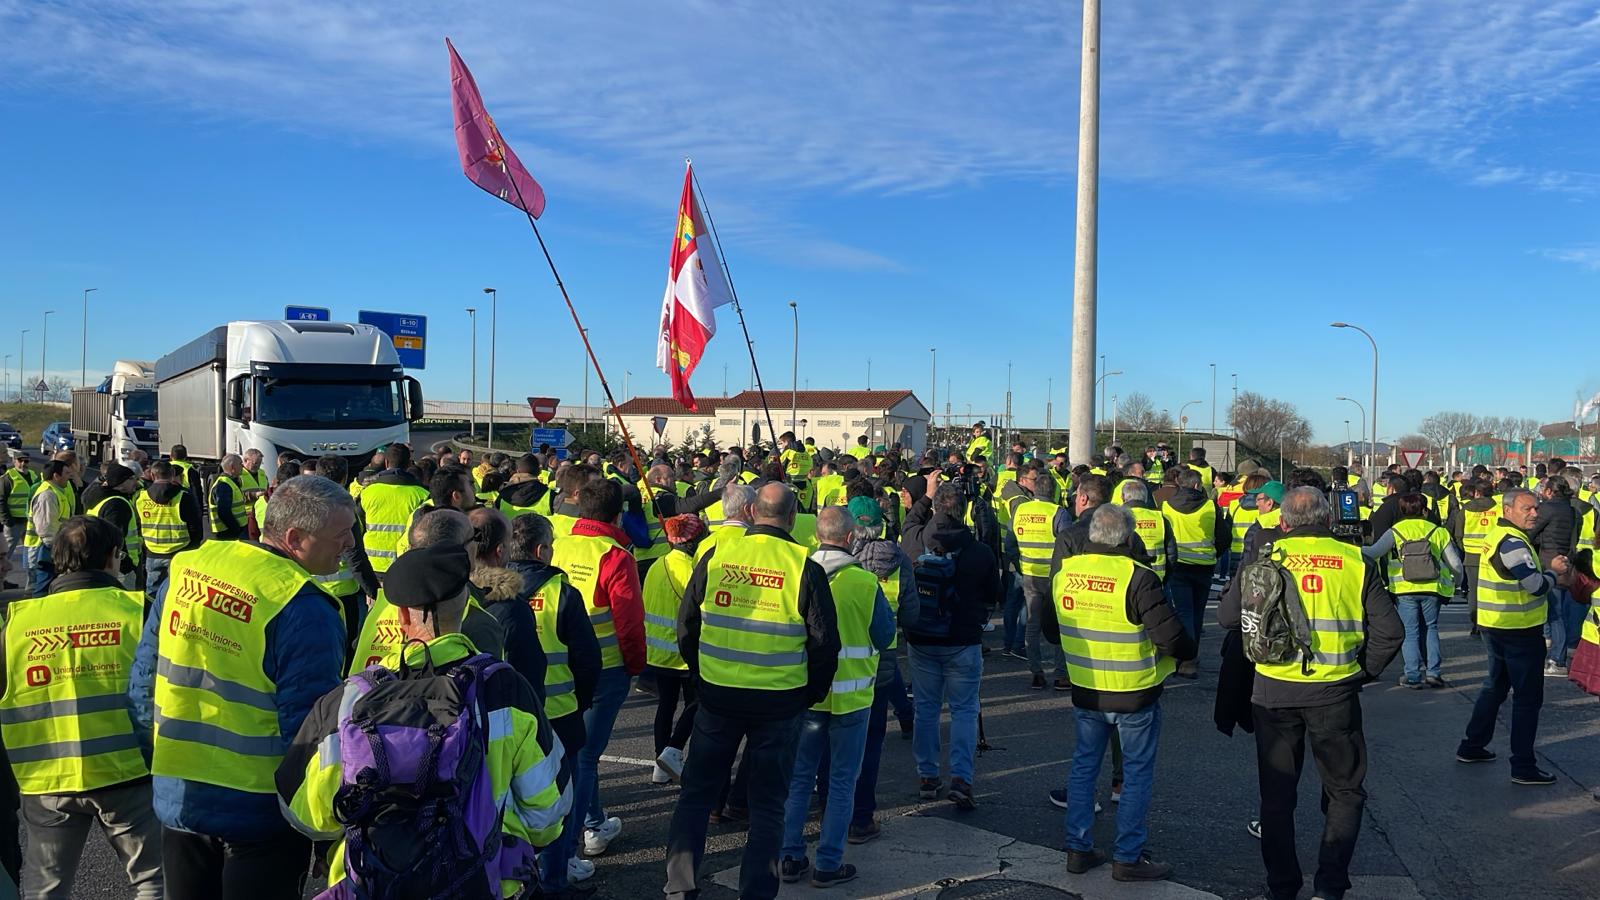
pixel 305 388
pixel 112 420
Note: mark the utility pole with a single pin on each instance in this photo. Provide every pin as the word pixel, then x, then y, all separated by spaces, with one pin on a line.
pixel 1081 421
pixel 1049 434
pixel 83 361
pixel 22 367
pixel 494 328
pixel 794 374
pixel 472 314
pixel 44 349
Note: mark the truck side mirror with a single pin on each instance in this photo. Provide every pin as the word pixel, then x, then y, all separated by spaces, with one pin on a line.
pixel 236 392
pixel 413 399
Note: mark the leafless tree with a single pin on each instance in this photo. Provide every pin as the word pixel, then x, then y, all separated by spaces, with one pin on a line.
pixel 1445 428
pixel 1136 412
pixel 1262 423
pixel 60 390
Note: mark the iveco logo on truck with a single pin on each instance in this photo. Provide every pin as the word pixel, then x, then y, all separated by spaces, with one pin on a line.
pixel 332 447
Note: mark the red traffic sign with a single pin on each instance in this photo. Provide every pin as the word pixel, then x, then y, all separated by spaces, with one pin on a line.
pixel 544 408
pixel 1412 458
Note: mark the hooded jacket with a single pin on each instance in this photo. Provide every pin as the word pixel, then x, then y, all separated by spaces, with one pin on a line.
pixel 832 558
pixel 977 573
pixel 572 628
pixel 1188 500
pixel 1459 513
pixel 884 559
pixel 1146 606
pixel 188 510
pixel 499 592
pixel 525 493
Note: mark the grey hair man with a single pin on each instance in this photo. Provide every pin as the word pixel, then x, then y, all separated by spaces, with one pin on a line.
pixel 228 504
pixel 1355 634
pixel 1200 537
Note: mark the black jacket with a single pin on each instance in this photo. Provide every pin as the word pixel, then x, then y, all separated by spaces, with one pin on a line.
pixel 499 592
pixel 1554 532
pixel 1383 636
pixel 572 628
pixel 822 645
pixel 188 510
pixel 222 502
pixel 118 514
pixel 1147 606
pixel 524 494
pixel 977 572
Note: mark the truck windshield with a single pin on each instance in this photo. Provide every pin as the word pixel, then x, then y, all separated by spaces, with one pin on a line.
pixel 287 403
pixel 139 405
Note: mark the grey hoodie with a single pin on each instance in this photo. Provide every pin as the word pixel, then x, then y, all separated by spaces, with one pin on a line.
pixel 882 628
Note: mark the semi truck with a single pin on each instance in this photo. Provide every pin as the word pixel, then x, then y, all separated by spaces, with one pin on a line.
pixel 112 420
pixel 306 388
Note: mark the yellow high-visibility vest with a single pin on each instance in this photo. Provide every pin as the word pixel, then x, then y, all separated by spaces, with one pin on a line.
pixel 387 510
pixel 560 697
pixel 131 542
pixel 1152 528
pixel 1438 539
pixel 579 556
pixel 855 594
pixel 1033 524
pixel 1193 533
pixel 1502 601
pixel 237 504
pixel 1104 651
pixel 31 536
pixel 161 524
pixel 1329 574
pixel 663 594
pixel 752 634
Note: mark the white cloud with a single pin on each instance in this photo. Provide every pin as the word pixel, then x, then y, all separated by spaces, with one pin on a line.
pixel 1585 255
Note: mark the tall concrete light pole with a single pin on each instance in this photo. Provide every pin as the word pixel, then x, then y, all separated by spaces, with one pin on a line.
pixel 794 375
pixel 933 393
pixel 1363 409
pixel 44 348
pixel 494 316
pixel 472 314
pixel 1081 420
pixel 1213 399
pixel 1374 343
pixel 83 362
pixel 22 367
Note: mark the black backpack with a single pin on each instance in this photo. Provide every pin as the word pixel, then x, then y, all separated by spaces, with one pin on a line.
pixel 936 594
pixel 1271 616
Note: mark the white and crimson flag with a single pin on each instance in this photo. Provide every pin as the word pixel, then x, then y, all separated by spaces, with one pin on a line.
pixel 696 286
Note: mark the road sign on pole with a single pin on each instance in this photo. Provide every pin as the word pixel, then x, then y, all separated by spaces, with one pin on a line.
pixel 307 314
pixel 1412 458
pixel 409 333
pixel 558 439
pixel 544 408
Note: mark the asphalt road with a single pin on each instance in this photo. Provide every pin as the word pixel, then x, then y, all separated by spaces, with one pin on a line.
pixel 1433 828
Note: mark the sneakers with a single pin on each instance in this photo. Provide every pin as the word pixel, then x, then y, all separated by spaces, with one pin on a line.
pixel 792 870
pixel 860 834
pixel 1058 799
pixel 1469 755
pixel 1038 681
pixel 1116 792
pixel 1189 670
pixel 660 775
pixel 670 761
pixel 840 875
pixel 1409 684
pixel 961 794
pixel 1081 861
pixel 596 840
pixel 1435 681
pixel 988 627
pixel 929 788
pixel 1254 828
pixel 1013 653
pixel 1551 670
pixel 1146 869
pixel 1533 776
pixel 579 870
pixel 1063 684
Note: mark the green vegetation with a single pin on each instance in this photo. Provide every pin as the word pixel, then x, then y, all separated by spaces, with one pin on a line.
pixel 32 419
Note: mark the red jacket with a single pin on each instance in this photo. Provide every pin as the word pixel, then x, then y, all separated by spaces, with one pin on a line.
pixel 617 587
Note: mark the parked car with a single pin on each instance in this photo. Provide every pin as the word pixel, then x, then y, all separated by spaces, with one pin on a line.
pixel 57 436
pixel 10 437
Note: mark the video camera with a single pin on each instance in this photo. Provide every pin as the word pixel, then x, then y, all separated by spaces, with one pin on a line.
pixel 1348 525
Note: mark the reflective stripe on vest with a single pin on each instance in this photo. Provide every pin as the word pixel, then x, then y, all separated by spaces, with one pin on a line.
pixel 161 524
pixel 890 585
pixel 663 594
pixel 1193 534
pixel 658 535
pixel 1152 528
pixel 31 537
pixel 1330 574
pixel 22 484
pixel 559 696
pixel 216 709
pixel 253 482
pixel 64 717
pixel 1475 526
pixel 131 543
pixel 752 634
pixel 1502 602
pixel 1419 530
pixel 388 509
pixel 855 593
pixel 1033 524
pixel 238 505
pixel 1104 651
pixel 579 555
pixel 1241 518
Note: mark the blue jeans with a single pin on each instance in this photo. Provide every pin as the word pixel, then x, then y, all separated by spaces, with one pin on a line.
pixel 1042 648
pixel 872 757
pixel 1189 587
pixel 553 858
pixel 40 569
pixel 844 737
pixel 1566 624
pixel 903 709
pixel 1516 667
pixel 940 674
pixel 156 569
pixel 609 692
pixel 1140 732
pixel 1420 612
pixel 1014 616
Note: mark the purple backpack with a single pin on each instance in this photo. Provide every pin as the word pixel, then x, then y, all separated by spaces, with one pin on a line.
pixel 416 802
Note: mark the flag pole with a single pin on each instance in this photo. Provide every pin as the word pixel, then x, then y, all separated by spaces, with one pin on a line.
pixel 728 273
pixel 583 334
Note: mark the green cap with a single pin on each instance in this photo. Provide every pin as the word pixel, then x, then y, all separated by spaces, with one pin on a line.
pixel 1273 489
pixel 866 512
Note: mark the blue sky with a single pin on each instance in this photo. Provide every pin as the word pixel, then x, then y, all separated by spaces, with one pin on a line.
pixel 1425 169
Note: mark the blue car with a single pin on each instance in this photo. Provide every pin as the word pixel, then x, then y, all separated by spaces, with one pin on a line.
pixel 58 436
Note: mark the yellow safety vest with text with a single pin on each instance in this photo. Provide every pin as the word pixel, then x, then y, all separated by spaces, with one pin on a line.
pixel 1033 524
pixel 560 696
pixel 855 594
pixel 1152 528
pixel 1329 574
pixel 752 634
pixel 579 556
pixel 830 490
pixel 1502 601
pixel 64 716
pixel 1103 650
pixel 1475 527
pixel 161 524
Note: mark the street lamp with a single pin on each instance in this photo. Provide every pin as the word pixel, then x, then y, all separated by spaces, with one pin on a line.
pixel 1183 421
pixel 794 375
pixel 472 314
pixel 44 349
pixel 933 392
pixel 1101 384
pixel 1363 417
pixel 83 363
pixel 1374 343
pixel 1213 399
pixel 1113 420
pixel 7 390
pixel 22 367
pixel 494 326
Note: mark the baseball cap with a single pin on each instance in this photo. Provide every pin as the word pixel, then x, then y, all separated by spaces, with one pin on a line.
pixel 866 512
pixel 1273 489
